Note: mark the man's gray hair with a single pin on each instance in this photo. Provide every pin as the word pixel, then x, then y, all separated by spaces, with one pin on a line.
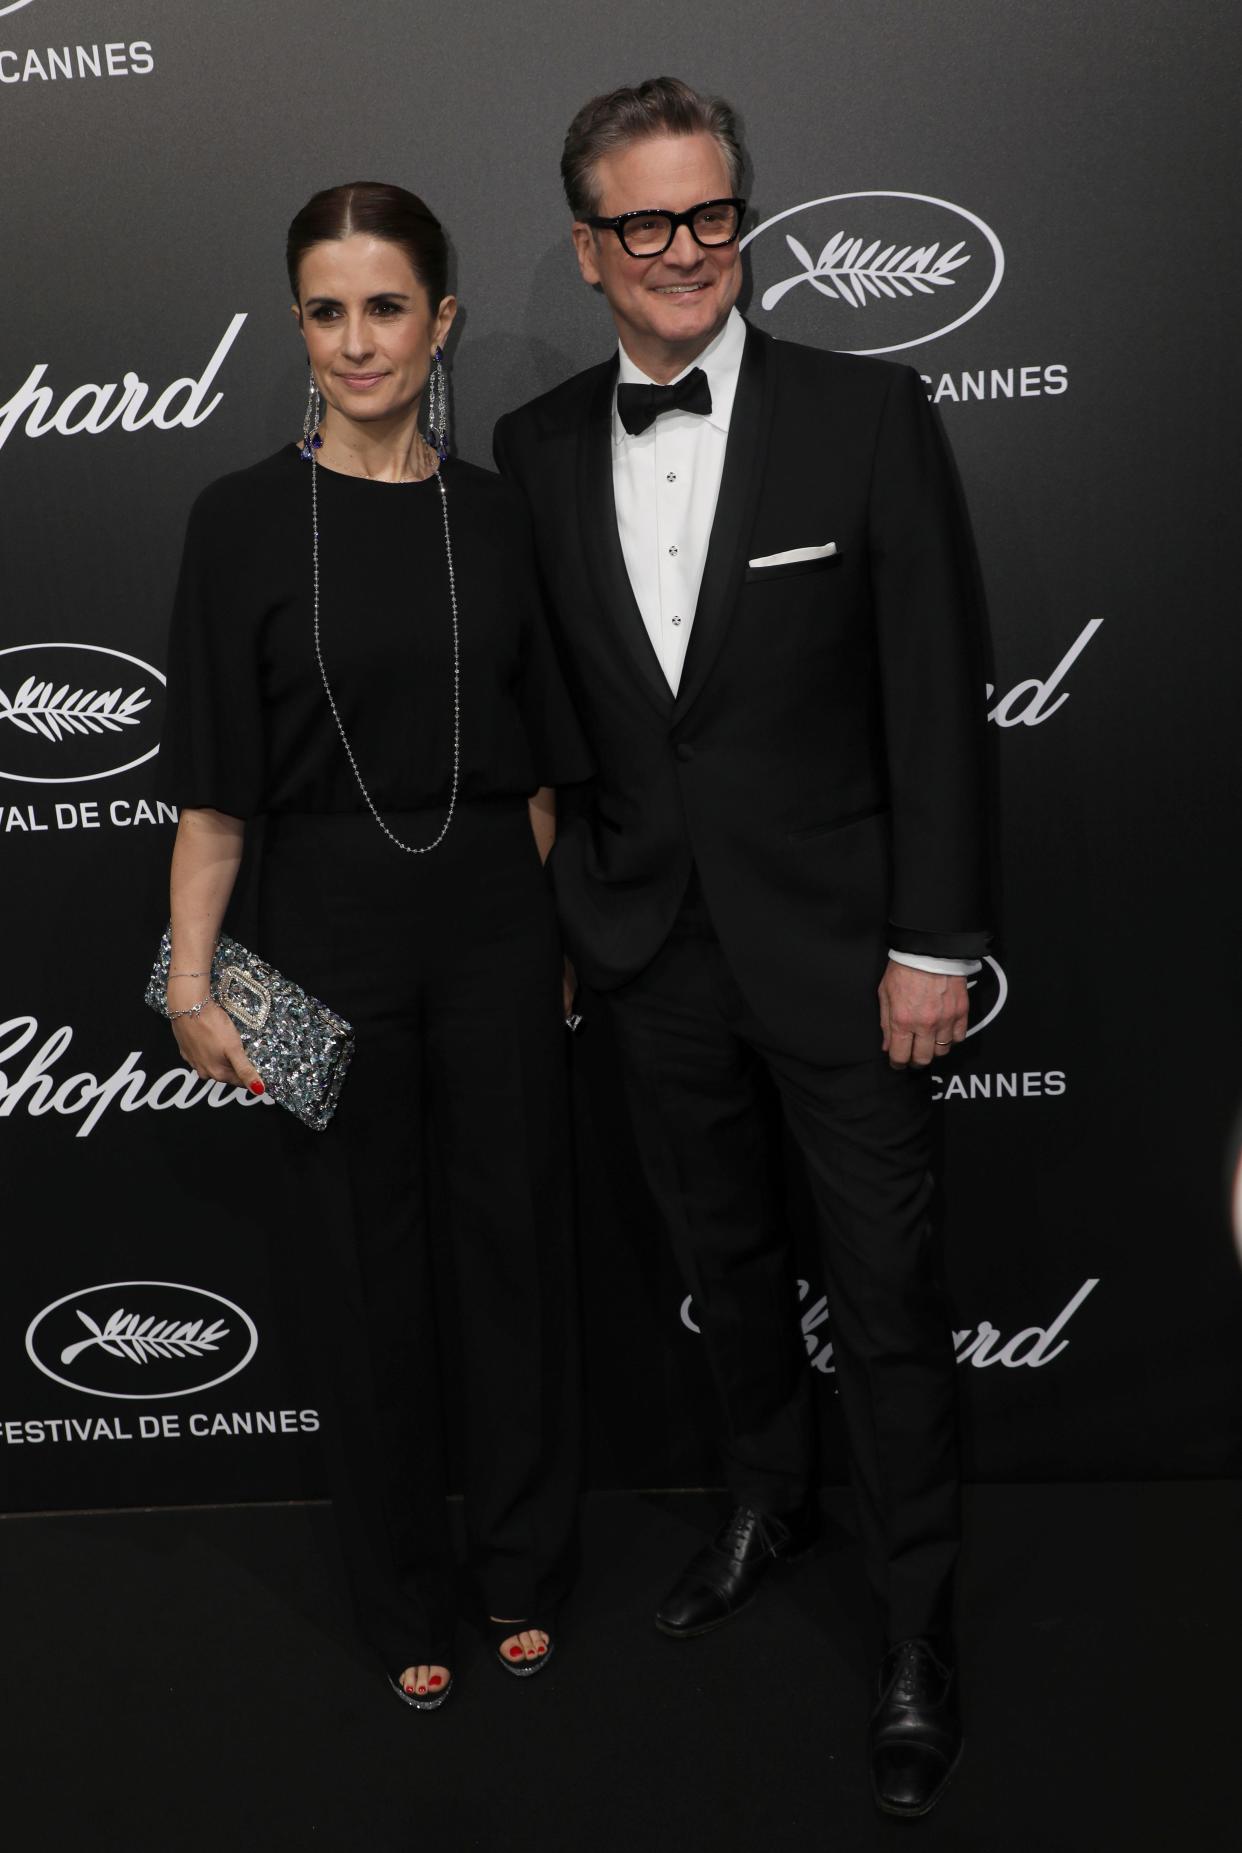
pixel 660 106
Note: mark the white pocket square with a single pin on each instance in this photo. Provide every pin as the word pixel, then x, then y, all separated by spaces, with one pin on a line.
pixel 795 554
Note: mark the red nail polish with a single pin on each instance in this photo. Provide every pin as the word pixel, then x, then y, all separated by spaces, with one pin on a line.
pixel 515 1653
pixel 422 1688
pixel 409 1688
pixel 437 1679
pixel 541 1650
pixel 256 1086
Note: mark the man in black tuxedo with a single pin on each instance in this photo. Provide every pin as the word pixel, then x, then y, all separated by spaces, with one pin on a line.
pixel 761 581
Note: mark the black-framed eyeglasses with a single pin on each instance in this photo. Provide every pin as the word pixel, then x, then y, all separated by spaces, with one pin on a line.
pixel 712 223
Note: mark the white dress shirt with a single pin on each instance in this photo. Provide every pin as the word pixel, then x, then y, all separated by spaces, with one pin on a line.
pixel 665 483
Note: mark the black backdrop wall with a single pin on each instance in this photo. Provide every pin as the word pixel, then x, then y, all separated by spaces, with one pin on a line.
pixel 1033 206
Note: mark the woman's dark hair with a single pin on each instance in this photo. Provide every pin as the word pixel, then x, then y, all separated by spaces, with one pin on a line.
pixel 381 211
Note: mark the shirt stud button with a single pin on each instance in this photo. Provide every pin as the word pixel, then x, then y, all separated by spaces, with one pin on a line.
pixel 672 551
pixel 676 620
pixel 671 477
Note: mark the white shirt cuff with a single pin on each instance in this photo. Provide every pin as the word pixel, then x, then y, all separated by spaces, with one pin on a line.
pixel 947 968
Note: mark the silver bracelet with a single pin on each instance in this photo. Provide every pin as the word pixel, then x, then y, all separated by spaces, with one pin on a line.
pixel 189 974
pixel 195 1010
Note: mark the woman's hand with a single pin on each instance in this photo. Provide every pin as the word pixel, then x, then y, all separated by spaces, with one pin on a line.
pixel 209 1042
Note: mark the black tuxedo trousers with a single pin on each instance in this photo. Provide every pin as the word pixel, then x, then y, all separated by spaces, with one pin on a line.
pixel 694 1058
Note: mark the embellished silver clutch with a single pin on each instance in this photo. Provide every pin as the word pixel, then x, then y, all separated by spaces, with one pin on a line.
pixel 300 1047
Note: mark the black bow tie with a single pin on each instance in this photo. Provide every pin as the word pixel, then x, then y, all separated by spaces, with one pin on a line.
pixel 640 406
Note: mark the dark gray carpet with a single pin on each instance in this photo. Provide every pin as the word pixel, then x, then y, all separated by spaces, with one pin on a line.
pixel 187 1680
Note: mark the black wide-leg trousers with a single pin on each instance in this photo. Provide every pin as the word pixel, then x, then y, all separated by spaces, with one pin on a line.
pixel 448 967
pixel 694 1057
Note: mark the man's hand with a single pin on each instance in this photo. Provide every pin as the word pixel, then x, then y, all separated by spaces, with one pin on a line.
pixel 922 1014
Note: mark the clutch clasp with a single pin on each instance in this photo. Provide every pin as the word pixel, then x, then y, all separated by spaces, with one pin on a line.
pixel 244 997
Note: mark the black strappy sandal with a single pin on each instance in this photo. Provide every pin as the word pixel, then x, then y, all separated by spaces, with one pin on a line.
pixel 430 1701
pixel 500 1631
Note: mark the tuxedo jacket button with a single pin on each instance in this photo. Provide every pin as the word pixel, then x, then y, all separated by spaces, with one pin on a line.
pixel 684 750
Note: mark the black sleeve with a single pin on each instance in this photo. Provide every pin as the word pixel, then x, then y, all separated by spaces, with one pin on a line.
pixel 929 627
pixel 500 450
pixel 559 752
pixel 212 755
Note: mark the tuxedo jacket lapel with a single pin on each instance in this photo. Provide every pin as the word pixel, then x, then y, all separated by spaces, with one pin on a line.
pixel 601 543
pixel 746 458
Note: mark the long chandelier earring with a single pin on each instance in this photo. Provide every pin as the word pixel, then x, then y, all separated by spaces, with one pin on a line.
pixel 311 440
pixel 437 406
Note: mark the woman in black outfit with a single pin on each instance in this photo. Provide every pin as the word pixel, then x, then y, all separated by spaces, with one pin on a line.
pixel 401 881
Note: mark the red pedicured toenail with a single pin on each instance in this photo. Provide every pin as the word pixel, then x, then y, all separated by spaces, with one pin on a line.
pixel 409 1689
pixel 436 1680
pixel 515 1653
pixel 541 1650
pixel 422 1688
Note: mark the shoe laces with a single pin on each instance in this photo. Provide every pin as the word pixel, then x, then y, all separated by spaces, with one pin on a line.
pixel 917 1675
pixel 745 1523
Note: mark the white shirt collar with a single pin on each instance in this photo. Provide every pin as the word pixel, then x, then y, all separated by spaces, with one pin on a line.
pixel 721 361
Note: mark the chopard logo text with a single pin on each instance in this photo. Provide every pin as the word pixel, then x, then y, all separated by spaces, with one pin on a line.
pixel 1028 703
pixel 91 409
pixel 979 1345
pixel 37 1090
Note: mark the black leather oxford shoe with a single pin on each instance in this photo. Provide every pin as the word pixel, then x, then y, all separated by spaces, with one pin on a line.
pixel 725 1575
pixel 916 1734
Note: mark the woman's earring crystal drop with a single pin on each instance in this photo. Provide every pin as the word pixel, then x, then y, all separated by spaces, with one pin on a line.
pixel 311 440
pixel 437 406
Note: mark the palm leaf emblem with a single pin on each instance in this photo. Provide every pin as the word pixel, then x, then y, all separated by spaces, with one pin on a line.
pixel 40 708
pixel 128 1335
pixel 851 274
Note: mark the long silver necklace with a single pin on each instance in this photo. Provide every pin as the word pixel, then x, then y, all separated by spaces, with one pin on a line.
pixel 410 849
